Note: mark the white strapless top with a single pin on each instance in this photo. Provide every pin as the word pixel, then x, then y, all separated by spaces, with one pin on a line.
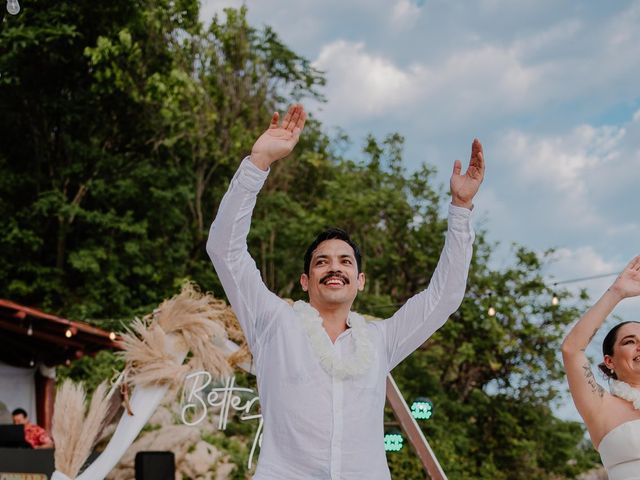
pixel 620 451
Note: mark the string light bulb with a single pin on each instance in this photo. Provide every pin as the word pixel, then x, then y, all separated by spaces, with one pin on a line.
pixel 68 333
pixel 30 330
pixel 13 7
pixel 555 300
pixel 112 336
pixel 491 311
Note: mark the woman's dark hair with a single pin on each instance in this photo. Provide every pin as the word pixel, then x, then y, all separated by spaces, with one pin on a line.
pixel 607 347
pixel 331 234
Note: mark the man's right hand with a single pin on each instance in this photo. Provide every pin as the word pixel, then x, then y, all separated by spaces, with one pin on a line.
pixel 278 140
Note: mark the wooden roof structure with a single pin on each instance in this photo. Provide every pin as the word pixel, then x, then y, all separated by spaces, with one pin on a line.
pixel 31 336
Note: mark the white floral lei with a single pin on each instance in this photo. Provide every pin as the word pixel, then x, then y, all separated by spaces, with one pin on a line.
pixel 338 367
pixel 626 392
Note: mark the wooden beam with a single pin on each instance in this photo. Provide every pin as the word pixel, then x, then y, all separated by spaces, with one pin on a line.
pixel 45 397
pixel 20 311
pixel 40 335
pixel 413 432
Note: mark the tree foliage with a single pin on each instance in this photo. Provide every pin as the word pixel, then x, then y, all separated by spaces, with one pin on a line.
pixel 122 125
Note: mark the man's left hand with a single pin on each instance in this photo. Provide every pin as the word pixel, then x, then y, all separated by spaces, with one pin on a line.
pixel 464 187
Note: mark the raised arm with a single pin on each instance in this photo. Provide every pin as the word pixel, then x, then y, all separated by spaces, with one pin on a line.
pixel 587 394
pixel 427 311
pixel 252 302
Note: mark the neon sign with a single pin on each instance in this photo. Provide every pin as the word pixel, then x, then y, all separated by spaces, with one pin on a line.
pixel 227 397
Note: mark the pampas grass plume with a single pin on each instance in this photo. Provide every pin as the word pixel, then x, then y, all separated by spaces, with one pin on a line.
pixel 74 433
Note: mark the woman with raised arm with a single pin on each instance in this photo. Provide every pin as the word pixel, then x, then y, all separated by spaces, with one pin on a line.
pixel 613 419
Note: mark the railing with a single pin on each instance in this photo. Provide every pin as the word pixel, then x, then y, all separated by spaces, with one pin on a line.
pixel 413 432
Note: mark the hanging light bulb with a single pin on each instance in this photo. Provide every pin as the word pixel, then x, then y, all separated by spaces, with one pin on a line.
pixel 13 7
pixel 555 300
pixel 32 363
pixel 29 330
pixel 68 333
pixel 112 336
pixel 491 311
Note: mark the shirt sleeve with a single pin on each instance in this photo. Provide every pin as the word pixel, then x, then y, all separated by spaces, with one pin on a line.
pixel 427 311
pixel 35 435
pixel 251 300
pixel 44 438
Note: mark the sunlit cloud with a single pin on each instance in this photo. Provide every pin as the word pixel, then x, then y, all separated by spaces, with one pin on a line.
pixel 405 13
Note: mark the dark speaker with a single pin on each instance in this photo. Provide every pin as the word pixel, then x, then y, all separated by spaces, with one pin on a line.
pixel 155 466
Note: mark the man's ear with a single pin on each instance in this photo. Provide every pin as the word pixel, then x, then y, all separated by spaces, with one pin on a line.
pixel 304 282
pixel 361 281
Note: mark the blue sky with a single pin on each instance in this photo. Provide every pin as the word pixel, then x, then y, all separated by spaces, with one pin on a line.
pixel 551 88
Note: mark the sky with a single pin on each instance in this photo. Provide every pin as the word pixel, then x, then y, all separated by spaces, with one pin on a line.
pixel 551 88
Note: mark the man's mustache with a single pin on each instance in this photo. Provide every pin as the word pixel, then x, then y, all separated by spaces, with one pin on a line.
pixel 339 275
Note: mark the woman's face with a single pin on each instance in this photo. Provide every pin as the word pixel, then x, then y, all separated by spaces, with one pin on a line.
pixel 625 360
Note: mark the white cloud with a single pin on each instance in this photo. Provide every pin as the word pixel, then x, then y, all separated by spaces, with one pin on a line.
pixel 548 39
pixel 626 229
pixel 564 187
pixel 622 31
pixel 470 83
pixel 565 162
pixel 405 13
pixel 581 262
pixel 481 77
pixel 449 69
pixel 484 80
pixel 361 84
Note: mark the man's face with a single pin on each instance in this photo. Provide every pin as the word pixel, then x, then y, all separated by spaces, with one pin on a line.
pixel 19 419
pixel 333 278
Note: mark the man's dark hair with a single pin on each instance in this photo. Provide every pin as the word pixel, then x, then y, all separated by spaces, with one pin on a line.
pixel 331 234
pixel 20 411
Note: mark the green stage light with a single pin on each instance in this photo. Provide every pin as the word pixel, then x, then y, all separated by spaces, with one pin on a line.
pixel 393 442
pixel 422 409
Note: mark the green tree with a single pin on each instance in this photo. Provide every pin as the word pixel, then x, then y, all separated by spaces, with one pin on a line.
pixel 122 155
pixel 493 378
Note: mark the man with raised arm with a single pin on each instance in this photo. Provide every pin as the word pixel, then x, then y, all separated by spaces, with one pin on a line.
pixel 320 367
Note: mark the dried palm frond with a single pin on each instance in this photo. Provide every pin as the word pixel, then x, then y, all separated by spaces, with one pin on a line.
pixel 73 434
pixel 195 316
pixel 225 315
pixel 191 316
pixel 148 361
pixel 242 355
pixel 113 411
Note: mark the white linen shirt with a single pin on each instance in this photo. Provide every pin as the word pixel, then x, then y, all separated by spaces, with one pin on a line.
pixel 317 427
